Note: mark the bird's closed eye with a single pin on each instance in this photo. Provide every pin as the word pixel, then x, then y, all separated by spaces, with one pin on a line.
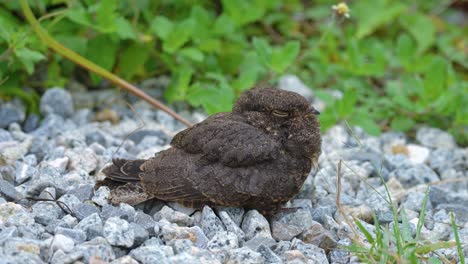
pixel 280 113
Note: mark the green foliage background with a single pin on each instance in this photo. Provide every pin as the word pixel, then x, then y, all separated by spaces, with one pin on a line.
pixel 398 63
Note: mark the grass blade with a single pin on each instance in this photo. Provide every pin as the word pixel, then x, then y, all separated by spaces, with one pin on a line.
pixel 422 214
pixel 364 231
pixel 424 249
pixel 461 255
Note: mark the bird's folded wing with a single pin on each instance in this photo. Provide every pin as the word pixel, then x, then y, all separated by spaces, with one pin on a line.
pixel 233 143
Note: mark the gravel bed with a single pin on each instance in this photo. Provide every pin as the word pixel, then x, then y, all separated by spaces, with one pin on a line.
pixel 58 159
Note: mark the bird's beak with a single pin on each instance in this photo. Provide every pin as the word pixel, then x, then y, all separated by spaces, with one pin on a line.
pixel 315 111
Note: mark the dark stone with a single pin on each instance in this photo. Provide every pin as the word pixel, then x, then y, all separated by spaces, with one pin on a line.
pixel 31 123
pixel 95 137
pixel 10 115
pixel 139 135
pixel 8 191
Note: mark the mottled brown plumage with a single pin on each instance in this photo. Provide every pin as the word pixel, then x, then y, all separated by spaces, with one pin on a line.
pixel 257 156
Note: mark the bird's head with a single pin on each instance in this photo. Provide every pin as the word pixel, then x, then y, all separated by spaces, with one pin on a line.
pixel 274 108
pixel 284 115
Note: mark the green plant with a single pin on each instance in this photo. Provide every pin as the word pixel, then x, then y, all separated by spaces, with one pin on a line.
pixel 398 64
pixel 395 243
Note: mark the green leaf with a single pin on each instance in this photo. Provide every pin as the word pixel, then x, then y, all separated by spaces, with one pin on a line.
pixel 421 28
pixel 133 58
pixel 125 29
pixel 366 123
pixel 28 58
pixel 193 54
pixel 263 50
pixel 243 11
pixel 224 25
pixel 106 16
pixel 179 85
pixel 162 27
pixel 345 107
pixel 245 81
pixel 76 43
pixel 79 15
pixel 283 57
pixel 402 123
pixel 374 14
pixel 213 98
pixel 435 260
pixel 405 50
pixel 180 34
pixel 453 45
pixel 435 81
pixel 102 51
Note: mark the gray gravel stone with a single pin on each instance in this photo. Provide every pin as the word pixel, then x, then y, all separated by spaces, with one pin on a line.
pixel 317 235
pixel 125 260
pixel 82 192
pixel 244 255
pixel 101 196
pixel 181 245
pixel 283 231
pixel 311 252
pixel 124 211
pixel 145 221
pixel 7 233
pixel 255 225
pixel 152 254
pixel 180 208
pixel 268 255
pixel 140 233
pixel 12 214
pixel 173 216
pixel 118 232
pixel 231 226
pixel 210 223
pixel 435 138
pixel 9 115
pixel 172 231
pixel 442 160
pixel 418 174
pixel 95 137
pixel 235 213
pixel 22 257
pixel 69 201
pixel 82 159
pixel 84 210
pixel 46 213
pixel 258 241
pixel 92 225
pixel 414 201
pixel 223 241
pixel 61 242
pixel 8 191
pixel 17 245
pixel 31 123
pixel 5 135
pixel 57 101
pixel 96 248
pixel 79 236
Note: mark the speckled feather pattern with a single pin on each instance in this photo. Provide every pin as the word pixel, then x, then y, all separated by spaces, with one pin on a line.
pixel 250 157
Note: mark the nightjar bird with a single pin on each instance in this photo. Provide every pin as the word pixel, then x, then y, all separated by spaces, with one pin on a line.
pixel 257 156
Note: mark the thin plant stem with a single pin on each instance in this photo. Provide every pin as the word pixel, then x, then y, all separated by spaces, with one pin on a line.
pixel 78 59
